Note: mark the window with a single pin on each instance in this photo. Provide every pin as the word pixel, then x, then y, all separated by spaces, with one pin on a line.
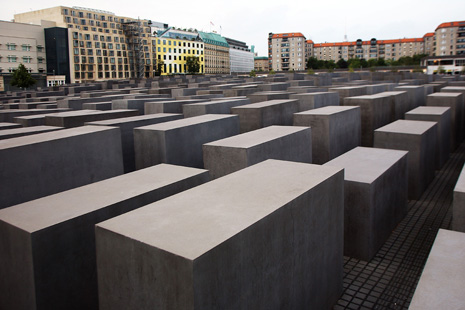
pixel 27 59
pixel 26 48
pixel 11 58
pixel 11 46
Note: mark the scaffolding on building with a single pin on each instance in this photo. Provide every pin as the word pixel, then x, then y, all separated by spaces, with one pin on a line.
pixel 133 31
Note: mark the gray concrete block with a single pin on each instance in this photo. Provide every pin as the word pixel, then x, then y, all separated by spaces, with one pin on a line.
pixel 133 104
pixel 127 125
pixel 316 100
pixel 458 204
pixel 274 142
pixel 264 237
pixel 419 138
pixel 44 164
pixel 442 116
pixel 274 86
pixel 39 120
pixel 168 106
pixel 76 118
pixel 416 93
pixel 375 191
pixel 19 132
pixel 100 106
pixel 221 106
pixel 4 126
pixel 48 244
pixel 442 280
pixel 180 142
pixel 9 115
pixel 399 104
pixel 375 111
pixel 335 130
pixel 268 95
pixel 348 91
pixel 455 101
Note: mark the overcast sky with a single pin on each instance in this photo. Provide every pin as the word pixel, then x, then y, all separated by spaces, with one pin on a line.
pixel 251 21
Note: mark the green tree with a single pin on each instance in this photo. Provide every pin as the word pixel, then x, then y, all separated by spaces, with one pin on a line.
pixel 193 64
pixel 252 73
pixel 159 67
pixel 341 63
pixel 313 63
pixel 354 63
pixel 381 62
pixel 373 62
pixel 21 78
pixel 363 63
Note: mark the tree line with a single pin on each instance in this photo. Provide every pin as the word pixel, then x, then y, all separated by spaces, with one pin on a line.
pixel 354 63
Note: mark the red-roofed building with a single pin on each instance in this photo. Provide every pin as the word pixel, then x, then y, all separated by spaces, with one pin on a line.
pixel 450 39
pixel 287 51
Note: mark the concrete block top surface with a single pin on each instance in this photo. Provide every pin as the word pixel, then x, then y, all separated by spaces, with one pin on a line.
pixel 265 103
pixel 188 122
pixel 130 119
pixel 49 136
pixel 258 136
pixel 195 221
pixel 408 127
pixel 366 164
pixel 409 87
pixel 221 101
pixel 346 87
pixel 460 185
pixel 328 110
pixel 445 94
pixel 441 284
pixel 38 214
pixel 454 88
pixel 430 110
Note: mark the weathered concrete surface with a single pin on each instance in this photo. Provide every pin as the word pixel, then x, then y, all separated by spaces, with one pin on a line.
pixel 316 100
pixel 48 244
pixel 133 104
pixel 375 190
pixel 231 154
pixel 268 95
pixel 262 114
pixel 419 138
pixel 44 164
pixel 458 205
pixel 348 91
pixel 168 106
pixel 180 142
pixel 456 103
pixel 76 118
pixel 4 126
pixel 399 103
pixel 222 106
pixel 416 93
pixel 375 111
pixel 264 237
pixel 100 106
pixel 442 280
pixel 335 130
pixel 19 132
pixel 9 115
pixel 442 116
pixel 127 125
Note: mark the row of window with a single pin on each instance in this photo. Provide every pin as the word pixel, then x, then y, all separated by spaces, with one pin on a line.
pixel 26 59
pixel 184 44
pixel 24 47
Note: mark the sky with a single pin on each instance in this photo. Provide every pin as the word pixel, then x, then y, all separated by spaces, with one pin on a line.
pixel 251 21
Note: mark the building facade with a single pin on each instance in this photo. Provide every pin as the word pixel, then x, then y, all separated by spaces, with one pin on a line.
pixel 241 58
pixel 286 51
pixel 216 53
pixel 450 39
pixel 174 46
pixel 22 43
pixel 101 45
pixel 261 63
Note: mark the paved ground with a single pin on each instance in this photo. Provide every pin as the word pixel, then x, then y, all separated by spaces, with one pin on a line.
pixel 389 280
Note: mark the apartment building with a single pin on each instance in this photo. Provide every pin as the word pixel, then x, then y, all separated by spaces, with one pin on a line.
pixel 261 63
pixel 22 43
pixel 286 51
pixel 429 43
pixel 173 46
pixel 100 44
pixel 216 53
pixel 241 58
pixel 450 39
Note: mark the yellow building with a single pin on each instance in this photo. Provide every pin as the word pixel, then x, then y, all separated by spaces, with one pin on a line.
pixel 173 47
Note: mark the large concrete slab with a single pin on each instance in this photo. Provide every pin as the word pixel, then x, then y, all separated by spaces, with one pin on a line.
pixel 348 91
pixel 375 191
pixel 48 244
pixel 442 116
pixel 399 103
pixel 262 114
pixel 335 130
pixel 44 164
pixel 180 142
pixel 268 95
pixel 458 204
pixel 419 138
pixel 442 280
pixel 222 106
pixel 274 142
pixel 316 100
pixel 4 126
pixel 9 115
pixel 375 111
pixel 76 118
pixel 19 132
pixel 416 93
pixel 168 106
pixel 133 104
pixel 455 101
pixel 268 236
pixel 127 125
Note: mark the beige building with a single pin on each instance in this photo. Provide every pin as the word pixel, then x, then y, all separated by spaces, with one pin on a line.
pixel 450 39
pixel 286 51
pixel 261 64
pixel 216 50
pixel 429 43
pixel 101 45
pixel 22 43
